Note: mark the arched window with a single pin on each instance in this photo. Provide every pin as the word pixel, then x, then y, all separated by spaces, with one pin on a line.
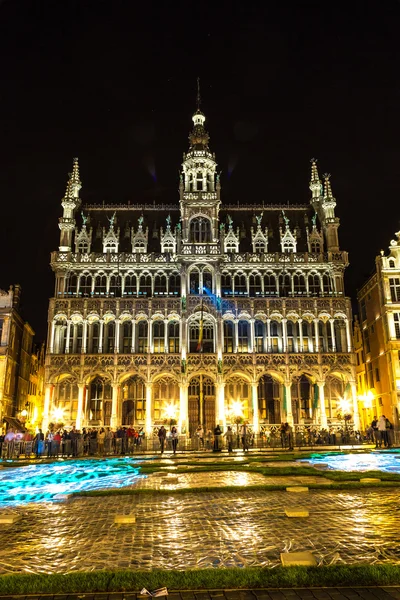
pixel 327 284
pixel 314 284
pixel 165 393
pixel 259 246
pixel 142 337
pixel 269 400
pixel 100 285
pixel 237 390
pixel 111 246
pixel 240 285
pixel 285 284
pixel 392 263
pixel 72 284
pixel 173 337
pixel 60 333
pixel 207 344
pixel 175 284
pixel 243 336
pixel 139 247
pixel 160 285
pixel 130 285
pixel 78 338
pixel 254 285
pixel 85 285
pixel 126 341
pixel 276 336
pixel 207 282
pixel 66 400
pixel 259 336
pixel 200 230
pixel 270 284
pixel 299 284
pixel 340 335
pixel 133 402
pixel 291 336
pixel 158 336
pixel 315 247
pixel 109 337
pixel 302 398
pixel 145 285
pixel 226 284
pixel 307 331
pixel 230 246
pixel 194 282
pixel 115 285
pixel 94 331
pixel 83 247
pixel 99 392
pixel 228 336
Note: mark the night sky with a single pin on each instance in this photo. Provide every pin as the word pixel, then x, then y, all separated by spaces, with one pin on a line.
pixel 114 83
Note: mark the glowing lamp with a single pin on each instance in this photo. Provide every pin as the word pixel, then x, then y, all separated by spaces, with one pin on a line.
pixel 344 405
pixel 237 408
pixel 58 413
pixel 170 411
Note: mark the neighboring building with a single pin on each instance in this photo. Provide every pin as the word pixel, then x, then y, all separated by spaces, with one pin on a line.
pixel 378 375
pixel 17 396
pixel 199 311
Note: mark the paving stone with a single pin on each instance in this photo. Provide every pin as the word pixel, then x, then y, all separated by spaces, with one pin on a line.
pixel 307 559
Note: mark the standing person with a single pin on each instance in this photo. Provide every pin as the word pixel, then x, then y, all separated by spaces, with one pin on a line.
pixel 374 426
pixel 217 439
pixel 56 443
pixel 283 435
pixel 162 434
pixel 101 436
pixel 49 440
pixel 74 441
pixel 200 436
pixel 229 438
pixel 208 439
pixel 174 438
pixel 382 431
pixel 243 435
pixel 39 442
pixel 289 435
pixel 389 433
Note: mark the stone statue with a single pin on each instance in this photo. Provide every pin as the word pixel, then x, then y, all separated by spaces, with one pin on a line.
pixel 112 220
pixel 140 221
pixel 314 220
pixel 168 219
pixel 285 219
pixel 230 220
pixel 84 219
pixel 258 219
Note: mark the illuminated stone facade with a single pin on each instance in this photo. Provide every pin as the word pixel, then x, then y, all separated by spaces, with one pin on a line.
pixel 378 336
pixel 136 284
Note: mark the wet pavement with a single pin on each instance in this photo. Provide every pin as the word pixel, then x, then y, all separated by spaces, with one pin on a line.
pixel 201 530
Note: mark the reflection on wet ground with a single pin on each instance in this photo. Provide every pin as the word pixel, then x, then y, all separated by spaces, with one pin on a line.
pixel 362 461
pixel 199 530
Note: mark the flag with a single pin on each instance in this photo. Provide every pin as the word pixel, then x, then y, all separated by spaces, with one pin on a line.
pixel 316 396
pixel 200 342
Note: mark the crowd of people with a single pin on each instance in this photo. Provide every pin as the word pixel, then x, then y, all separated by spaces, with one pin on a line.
pixel 381 432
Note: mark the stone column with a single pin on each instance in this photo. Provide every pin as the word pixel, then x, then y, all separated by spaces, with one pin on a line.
pixel 183 337
pixel 236 339
pixel 84 336
pixel 149 419
pixel 251 349
pixel 68 337
pixel 321 404
pixel 288 391
pixel 268 335
pixel 52 331
pixel 183 407
pixel 165 335
pixel 47 406
pixel 117 334
pixel 348 335
pixel 133 341
pixel 114 405
pixel 316 335
pixel 220 401
pixel 101 333
pixel 220 329
pixel 150 336
pixel 301 348
pixel 79 411
pixel 332 325
pixel 254 397
pixel 284 335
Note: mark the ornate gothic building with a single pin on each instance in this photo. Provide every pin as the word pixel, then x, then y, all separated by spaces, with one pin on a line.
pixel 199 311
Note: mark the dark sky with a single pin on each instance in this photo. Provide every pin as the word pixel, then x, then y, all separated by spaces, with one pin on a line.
pixel 114 83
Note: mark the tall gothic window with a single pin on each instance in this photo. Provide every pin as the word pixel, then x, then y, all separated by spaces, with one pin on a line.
pixel 276 336
pixel 270 284
pixel 100 285
pixel 130 285
pixel 269 400
pixel 160 285
pixel 134 401
pixel 207 282
pixel 173 337
pixel 299 283
pixel 315 247
pixel 314 284
pixel 243 336
pixel 99 392
pixel 66 399
pixel 142 337
pixel 200 230
pixel 72 284
pixel 194 282
pixel 208 336
pixel 254 284
pixel 126 342
pixel 226 284
pixel 285 284
pixel 228 336
pixel 240 284
pixel 94 338
pixel 145 285
pixel 158 336
pixel 109 337
pixel 259 336
pixel 291 335
pixel 175 284
pixel 115 285
pixel 394 284
pixel 85 285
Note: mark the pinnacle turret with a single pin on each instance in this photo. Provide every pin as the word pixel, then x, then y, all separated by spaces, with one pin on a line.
pixel 327 187
pixel 70 203
pixel 315 182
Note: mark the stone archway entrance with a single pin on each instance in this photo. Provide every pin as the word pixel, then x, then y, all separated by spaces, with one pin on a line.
pixel 201 404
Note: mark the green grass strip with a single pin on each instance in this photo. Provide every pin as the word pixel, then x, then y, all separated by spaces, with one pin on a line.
pixel 200 579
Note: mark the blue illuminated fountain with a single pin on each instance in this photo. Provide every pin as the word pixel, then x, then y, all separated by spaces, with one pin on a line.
pixel 40 483
pixel 373 461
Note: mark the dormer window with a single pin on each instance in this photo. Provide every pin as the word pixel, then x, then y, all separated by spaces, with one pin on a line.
pixel 288 246
pixel 200 230
pixel 392 263
pixel 139 247
pixel 259 247
pixel 315 247
pixel 83 247
pixel 111 246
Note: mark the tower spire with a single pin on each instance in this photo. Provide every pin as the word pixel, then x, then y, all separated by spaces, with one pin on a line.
pixel 327 187
pixel 198 99
pixel 315 182
pixel 70 203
